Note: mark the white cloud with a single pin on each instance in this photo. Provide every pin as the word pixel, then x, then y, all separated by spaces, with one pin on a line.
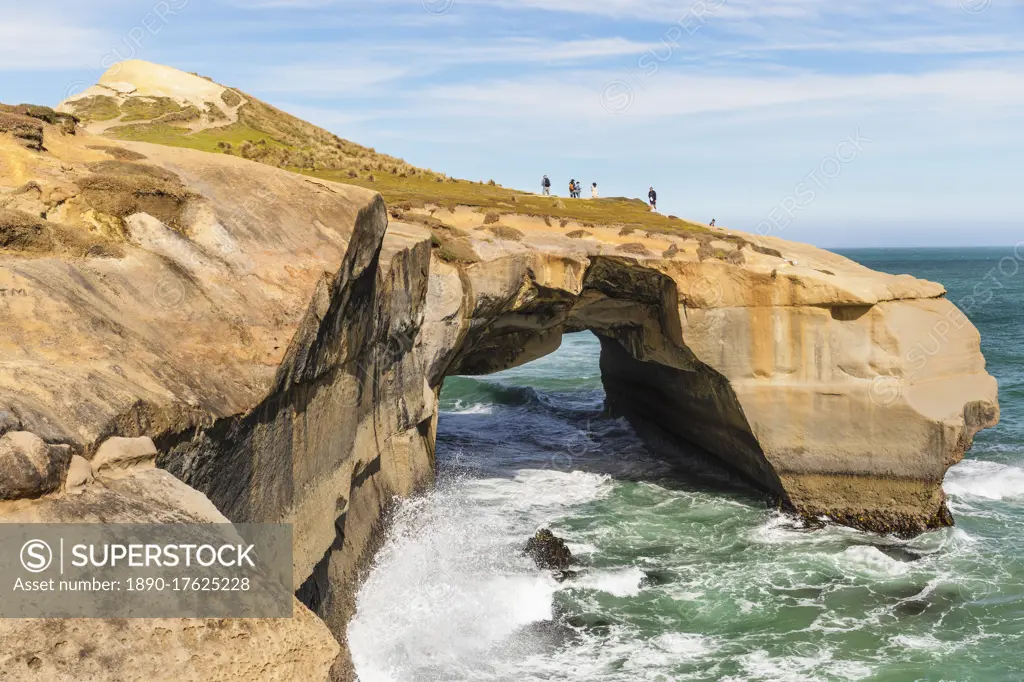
pixel 525 50
pixel 28 44
pixel 325 80
pixel 915 44
pixel 667 95
pixel 337 71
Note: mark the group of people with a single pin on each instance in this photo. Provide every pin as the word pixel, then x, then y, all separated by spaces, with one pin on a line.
pixel 576 191
pixel 575 188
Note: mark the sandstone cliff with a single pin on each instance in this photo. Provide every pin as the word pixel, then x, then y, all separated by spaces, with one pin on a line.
pixel 282 339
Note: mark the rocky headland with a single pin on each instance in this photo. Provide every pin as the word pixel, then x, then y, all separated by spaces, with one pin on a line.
pixel 200 329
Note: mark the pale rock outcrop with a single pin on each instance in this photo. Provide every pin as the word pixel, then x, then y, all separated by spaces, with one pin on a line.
pixel 159 649
pixel 79 475
pixel 116 454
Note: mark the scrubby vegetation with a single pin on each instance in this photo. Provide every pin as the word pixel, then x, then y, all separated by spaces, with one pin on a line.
pixel 635 248
pixel 25 123
pixel 119 153
pixel 31 235
pixel 231 98
pixel 707 251
pixel 120 189
pixel 96 108
pixel 506 232
pixel 147 108
pixel 24 129
pixel 452 245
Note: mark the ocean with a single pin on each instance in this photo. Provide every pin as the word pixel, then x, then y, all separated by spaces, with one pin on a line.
pixel 689 574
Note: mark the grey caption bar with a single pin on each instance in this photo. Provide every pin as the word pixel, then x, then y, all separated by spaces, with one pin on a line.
pixel 145 571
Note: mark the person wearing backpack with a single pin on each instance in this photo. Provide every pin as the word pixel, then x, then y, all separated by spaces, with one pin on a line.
pixel 572 188
pixel 545 186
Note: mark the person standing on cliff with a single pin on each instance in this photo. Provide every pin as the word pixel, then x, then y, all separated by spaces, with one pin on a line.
pixel 593 191
pixel 652 196
pixel 572 188
pixel 545 186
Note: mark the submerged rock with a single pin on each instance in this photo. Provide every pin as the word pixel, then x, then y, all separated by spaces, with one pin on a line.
pixel 550 552
pixel 899 553
pixel 653 578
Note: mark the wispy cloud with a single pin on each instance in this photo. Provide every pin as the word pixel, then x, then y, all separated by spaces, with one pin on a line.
pixel 673 94
pixel 327 80
pixel 38 44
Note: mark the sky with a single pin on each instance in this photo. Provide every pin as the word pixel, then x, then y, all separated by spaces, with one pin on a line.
pixel 868 123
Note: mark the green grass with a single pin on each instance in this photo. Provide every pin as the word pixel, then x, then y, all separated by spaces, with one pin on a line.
pixel 271 136
pixel 96 108
pixel 204 140
pixel 420 190
pixel 148 108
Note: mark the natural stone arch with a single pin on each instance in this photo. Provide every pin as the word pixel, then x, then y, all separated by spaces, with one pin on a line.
pixel 781 381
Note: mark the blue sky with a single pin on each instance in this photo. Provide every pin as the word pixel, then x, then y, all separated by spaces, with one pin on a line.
pixel 842 124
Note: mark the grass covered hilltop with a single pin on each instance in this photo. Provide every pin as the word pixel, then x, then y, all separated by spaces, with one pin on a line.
pixel 166 106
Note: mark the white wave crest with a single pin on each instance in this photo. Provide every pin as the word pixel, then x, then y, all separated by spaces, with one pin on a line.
pixel 987 480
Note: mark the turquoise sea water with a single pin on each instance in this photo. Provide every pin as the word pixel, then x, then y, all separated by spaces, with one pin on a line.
pixel 689 575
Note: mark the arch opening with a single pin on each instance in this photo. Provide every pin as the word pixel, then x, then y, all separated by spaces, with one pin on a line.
pixel 674 402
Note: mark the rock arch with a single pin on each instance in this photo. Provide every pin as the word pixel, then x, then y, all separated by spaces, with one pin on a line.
pixel 805 388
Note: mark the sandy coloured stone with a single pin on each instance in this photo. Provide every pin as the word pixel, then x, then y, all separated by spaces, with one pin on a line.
pixel 124 453
pixel 79 474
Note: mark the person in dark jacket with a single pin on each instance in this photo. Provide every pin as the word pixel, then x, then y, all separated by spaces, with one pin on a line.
pixel 652 196
pixel 545 186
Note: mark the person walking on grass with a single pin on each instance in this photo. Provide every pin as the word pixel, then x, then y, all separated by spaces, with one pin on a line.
pixel 652 196
pixel 593 191
pixel 572 188
pixel 545 186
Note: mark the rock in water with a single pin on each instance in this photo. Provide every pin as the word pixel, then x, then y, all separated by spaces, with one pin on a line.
pixel 549 551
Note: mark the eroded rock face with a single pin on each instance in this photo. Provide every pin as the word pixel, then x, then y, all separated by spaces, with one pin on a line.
pixel 261 343
pixel 165 649
pixel 30 466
